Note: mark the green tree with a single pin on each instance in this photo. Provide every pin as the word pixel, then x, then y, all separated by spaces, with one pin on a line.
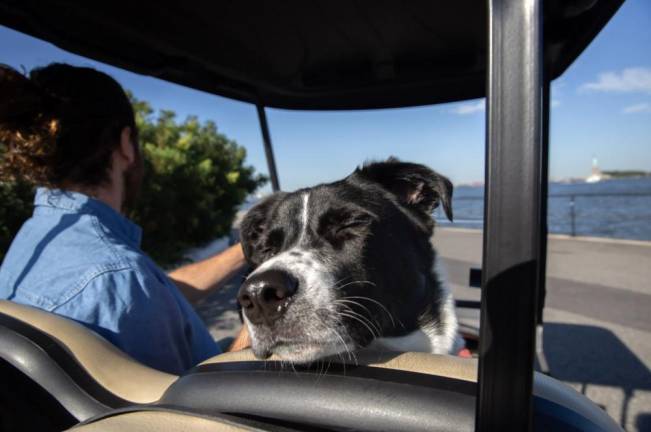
pixel 15 207
pixel 195 180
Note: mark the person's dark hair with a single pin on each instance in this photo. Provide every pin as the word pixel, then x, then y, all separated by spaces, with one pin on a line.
pixel 60 125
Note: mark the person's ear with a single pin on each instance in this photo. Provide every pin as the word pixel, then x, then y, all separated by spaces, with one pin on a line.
pixel 127 150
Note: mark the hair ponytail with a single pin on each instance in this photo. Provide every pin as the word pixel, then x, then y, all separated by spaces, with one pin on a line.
pixel 28 127
pixel 60 125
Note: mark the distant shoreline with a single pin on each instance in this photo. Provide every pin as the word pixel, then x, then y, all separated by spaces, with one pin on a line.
pixel 597 239
pixel 612 175
pixel 625 174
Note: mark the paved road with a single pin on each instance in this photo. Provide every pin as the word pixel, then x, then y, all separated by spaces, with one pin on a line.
pixel 598 316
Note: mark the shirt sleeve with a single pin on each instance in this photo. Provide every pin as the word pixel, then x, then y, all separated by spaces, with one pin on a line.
pixel 139 316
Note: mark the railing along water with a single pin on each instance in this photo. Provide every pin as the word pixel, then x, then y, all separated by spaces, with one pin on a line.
pixel 621 214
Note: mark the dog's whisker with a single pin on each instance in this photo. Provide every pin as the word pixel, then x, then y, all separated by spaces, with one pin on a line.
pixel 362 322
pixel 327 368
pixel 377 303
pixel 341 302
pixel 345 300
pixel 353 282
pixel 341 339
pixel 375 326
pixel 348 350
pixel 338 335
pixel 334 285
pixel 346 347
pixel 370 317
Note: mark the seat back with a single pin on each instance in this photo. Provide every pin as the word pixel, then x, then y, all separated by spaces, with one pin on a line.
pixel 164 421
pixel 79 369
pixel 464 369
pixel 84 376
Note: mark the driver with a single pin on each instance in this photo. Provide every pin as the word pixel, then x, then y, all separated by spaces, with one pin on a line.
pixel 71 131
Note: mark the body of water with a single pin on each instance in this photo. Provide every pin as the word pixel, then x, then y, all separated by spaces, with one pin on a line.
pixel 612 208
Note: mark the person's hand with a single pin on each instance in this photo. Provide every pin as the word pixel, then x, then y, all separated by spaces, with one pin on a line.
pixel 242 340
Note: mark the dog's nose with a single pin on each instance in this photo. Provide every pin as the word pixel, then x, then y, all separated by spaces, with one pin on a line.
pixel 264 296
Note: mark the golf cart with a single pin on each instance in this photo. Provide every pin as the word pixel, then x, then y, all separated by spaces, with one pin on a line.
pixel 330 55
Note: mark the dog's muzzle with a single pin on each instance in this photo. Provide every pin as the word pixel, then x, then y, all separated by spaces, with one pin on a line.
pixel 265 296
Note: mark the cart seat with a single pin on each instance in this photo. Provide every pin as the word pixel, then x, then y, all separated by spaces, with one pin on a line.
pixel 162 421
pixel 96 383
pixel 457 368
pixel 82 371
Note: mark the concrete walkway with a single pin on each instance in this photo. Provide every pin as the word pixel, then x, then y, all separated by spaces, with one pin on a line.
pixel 598 316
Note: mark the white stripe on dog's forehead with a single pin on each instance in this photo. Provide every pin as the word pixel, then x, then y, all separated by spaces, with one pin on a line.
pixel 298 257
pixel 314 275
pixel 304 217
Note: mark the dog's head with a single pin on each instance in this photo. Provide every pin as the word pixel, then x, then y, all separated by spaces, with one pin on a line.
pixel 340 264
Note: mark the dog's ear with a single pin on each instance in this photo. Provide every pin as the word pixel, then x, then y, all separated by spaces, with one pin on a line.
pixel 414 185
pixel 253 225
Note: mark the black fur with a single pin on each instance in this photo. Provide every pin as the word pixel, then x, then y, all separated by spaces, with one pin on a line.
pixel 371 233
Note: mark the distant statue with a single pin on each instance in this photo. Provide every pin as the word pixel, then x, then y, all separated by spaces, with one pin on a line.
pixel 596 175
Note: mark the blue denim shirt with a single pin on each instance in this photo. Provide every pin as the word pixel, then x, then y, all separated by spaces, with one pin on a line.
pixel 79 258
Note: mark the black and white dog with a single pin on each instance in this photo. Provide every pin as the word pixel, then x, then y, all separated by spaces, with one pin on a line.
pixel 349 264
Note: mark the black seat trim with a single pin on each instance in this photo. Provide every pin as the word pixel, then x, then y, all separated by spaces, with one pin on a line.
pixel 363 398
pixel 50 364
pixel 346 370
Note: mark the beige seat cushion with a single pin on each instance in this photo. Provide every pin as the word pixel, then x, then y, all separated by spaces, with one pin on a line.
pixel 111 368
pixel 159 421
pixel 433 364
pixel 130 380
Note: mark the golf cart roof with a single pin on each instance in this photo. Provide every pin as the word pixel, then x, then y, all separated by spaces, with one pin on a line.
pixel 321 54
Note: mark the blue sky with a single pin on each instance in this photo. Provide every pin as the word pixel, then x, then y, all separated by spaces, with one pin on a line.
pixel 601 107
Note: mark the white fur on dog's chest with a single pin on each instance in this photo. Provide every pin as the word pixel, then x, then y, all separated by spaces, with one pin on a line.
pixel 430 338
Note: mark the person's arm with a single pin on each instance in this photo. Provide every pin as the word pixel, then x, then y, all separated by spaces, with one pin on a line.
pixel 201 278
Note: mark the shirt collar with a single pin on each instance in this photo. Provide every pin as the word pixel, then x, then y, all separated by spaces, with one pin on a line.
pixel 81 203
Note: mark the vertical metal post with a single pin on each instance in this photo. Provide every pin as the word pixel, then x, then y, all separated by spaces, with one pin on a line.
pixel 544 193
pixel 544 229
pixel 572 216
pixel 268 149
pixel 512 216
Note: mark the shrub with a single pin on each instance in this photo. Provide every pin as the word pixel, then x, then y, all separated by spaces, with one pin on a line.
pixel 195 180
pixel 15 207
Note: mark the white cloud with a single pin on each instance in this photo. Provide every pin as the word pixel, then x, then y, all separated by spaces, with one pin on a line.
pixel 555 103
pixel 643 107
pixel 469 108
pixel 630 80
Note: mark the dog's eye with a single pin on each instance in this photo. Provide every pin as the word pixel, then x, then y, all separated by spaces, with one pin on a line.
pixel 339 225
pixel 273 243
pixel 354 224
pixel 350 228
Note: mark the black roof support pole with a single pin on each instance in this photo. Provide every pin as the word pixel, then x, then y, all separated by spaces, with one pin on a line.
pixel 544 191
pixel 511 256
pixel 268 149
pixel 544 229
